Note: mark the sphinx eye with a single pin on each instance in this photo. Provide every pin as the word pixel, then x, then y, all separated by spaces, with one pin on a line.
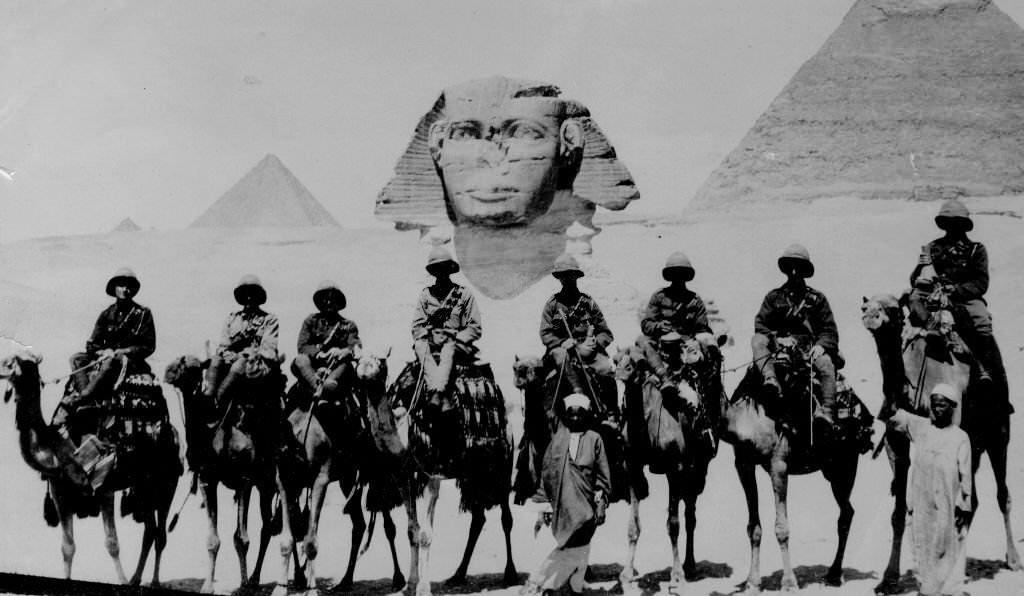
pixel 464 131
pixel 522 129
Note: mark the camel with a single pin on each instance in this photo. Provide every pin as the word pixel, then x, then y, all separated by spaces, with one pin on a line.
pixel 758 441
pixel 911 365
pixel 483 473
pixel 316 458
pixel 152 475
pixel 237 459
pixel 665 436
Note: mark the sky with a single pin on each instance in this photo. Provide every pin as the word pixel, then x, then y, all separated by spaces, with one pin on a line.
pixel 153 109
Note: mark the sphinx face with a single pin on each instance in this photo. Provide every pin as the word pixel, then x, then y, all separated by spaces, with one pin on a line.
pixel 501 163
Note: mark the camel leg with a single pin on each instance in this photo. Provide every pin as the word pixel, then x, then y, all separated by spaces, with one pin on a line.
pixel 476 525
pixel 629 573
pixel 780 486
pixel 511 576
pixel 690 562
pixel 842 486
pixel 358 530
pixel 310 544
pixel 212 539
pixel 746 470
pixel 242 496
pixel 997 457
pixel 899 461
pixel 163 510
pixel 286 540
pixel 148 536
pixel 676 574
pixel 397 578
pixel 266 532
pixel 426 533
pixel 110 529
pixel 413 531
pixel 67 526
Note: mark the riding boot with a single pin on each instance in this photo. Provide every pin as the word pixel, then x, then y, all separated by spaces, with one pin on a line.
pixel 225 386
pixel 303 369
pixel 108 369
pixel 214 374
pixel 80 375
pixel 827 377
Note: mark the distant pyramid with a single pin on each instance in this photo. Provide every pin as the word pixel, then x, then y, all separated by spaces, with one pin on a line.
pixel 126 225
pixel 906 99
pixel 269 195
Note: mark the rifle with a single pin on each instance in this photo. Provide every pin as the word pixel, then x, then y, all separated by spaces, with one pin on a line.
pixel 598 404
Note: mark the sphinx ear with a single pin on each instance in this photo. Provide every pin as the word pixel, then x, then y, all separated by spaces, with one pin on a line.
pixel 435 138
pixel 571 137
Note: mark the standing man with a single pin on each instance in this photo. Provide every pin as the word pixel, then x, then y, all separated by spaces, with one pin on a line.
pixel 327 340
pixel 575 486
pixel 122 338
pixel 446 320
pixel 798 311
pixel 248 344
pixel 962 265
pixel 574 331
pixel 939 492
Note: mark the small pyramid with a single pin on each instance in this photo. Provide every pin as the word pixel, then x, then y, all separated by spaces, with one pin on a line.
pixel 126 225
pixel 269 195
pixel 906 99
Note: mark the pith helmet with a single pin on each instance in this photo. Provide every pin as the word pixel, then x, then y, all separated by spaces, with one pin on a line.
pixel 566 266
pixel 947 391
pixel 124 276
pixel 797 254
pixel 439 258
pixel 326 290
pixel 954 211
pixel 250 284
pixel 677 266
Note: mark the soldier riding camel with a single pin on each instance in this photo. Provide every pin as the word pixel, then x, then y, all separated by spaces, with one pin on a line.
pixel 960 265
pixel 327 342
pixel 123 337
pixel 798 311
pixel 574 331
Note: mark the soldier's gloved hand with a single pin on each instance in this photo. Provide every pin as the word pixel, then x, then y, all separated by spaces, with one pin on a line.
pixel 105 354
pixel 464 347
pixel 665 327
pixel 569 344
pixel 337 353
pixel 600 506
pixel 705 339
pixel 816 352
pixel 399 412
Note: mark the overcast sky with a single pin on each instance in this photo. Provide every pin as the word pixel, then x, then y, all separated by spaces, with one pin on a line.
pixel 152 110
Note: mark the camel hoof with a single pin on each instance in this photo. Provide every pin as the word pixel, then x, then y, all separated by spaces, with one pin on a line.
pixel 750 590
pixel 423 589
pixel 345 585
pixel 279 590
pixel 135 581
pixel 789 587
pixel 676 577
pixel 312 592
pixel 459 579
pixel 690 573
pixel 628 576
pixel 889 585
pixel 207 588
pixel 511 576
pixel 834 578
pixel 397 582
pixel 1013 563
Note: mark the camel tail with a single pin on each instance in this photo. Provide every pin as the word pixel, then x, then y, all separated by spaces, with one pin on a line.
pixel 50 511
pixel 878 447
pixel 369 534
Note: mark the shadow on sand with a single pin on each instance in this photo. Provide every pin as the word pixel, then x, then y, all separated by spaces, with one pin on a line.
pixel 984 568
pixel 805 575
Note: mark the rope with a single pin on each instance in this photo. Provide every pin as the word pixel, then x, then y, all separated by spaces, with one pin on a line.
pixel 745 364
pixel 74 372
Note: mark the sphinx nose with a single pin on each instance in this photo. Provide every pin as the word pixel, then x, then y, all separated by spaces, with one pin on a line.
pixel 495 153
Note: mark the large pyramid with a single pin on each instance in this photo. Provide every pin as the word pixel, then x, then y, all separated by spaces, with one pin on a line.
pixel 269 195
pixel 126 225
pixel 906 99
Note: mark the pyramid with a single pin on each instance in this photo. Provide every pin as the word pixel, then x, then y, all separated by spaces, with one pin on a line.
pixel 126 225
pixel 913 99
pixel 269 195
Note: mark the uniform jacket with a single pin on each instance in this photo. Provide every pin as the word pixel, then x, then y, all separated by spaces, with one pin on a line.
pixel 456 312
pixel 323 331
pixel 683 310
pixel 129 328
pixel 798 310
pixel 250 329
pixel 580 313
pixel 962 263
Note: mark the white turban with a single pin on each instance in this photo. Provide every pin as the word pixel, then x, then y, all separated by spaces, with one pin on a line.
pixel 577 400
pixel 948 391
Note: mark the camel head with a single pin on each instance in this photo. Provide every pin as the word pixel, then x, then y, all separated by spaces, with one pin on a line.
pixel 185 372
pixel 626 363
pixel 880 311
pixel 14 367
pixel 371 367
pixel 526 371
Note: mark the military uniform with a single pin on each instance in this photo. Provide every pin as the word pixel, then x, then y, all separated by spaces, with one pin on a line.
pixel 571 314
pixel 799 311
pixel 326 340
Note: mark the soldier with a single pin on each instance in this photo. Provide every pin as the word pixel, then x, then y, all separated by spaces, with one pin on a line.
pixel 962 265
pixel 803 313
pixel 572 324
pixel 326 340
pixel 123 337
pixel 446 320
pixel 674 309
pixel 248 343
